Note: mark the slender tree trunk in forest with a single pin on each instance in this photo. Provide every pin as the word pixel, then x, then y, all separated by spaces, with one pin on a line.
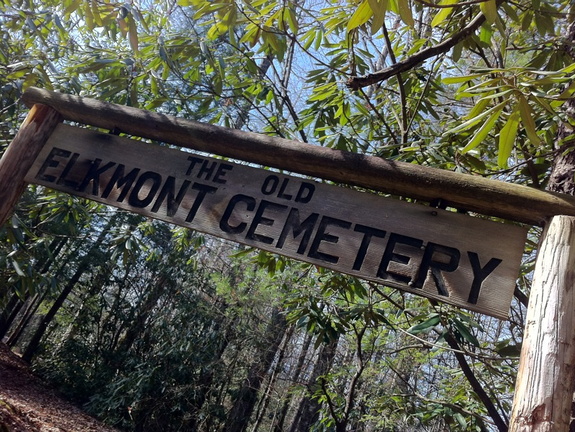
pixel 265 399
pixel 85 263
pixel 9 314
pixel 80 318
pixel 242 117
pixel 239 416
pixel 143 310
pixel 206 379
pixel 206 384
pixel 546 377
pixel 308 411
pixel 32 305
pixel 279 423
pixel 39 333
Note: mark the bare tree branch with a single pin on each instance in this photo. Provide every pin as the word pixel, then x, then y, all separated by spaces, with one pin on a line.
pixel 500 423
pixel 356 83
pixel 455 5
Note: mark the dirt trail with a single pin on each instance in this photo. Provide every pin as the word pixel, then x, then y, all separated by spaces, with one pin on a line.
pixel 27 405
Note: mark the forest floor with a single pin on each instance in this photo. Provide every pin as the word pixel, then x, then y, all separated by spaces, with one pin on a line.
pixel 28 405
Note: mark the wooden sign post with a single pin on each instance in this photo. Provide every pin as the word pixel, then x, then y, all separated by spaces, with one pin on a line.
pixel 21 153
pixel 349 231
pixel 546 378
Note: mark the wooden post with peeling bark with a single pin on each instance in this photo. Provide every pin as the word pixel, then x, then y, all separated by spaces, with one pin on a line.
pixel 545 381
pixel 21 153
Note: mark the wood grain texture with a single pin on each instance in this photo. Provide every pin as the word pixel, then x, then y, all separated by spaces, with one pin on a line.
pixel 546 377
pixel 465 192
pixel 21 153
pixel 450 257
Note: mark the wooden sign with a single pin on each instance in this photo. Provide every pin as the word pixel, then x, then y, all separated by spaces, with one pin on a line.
pixel 450 257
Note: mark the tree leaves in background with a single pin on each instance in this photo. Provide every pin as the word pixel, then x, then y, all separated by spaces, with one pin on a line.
pixel 507 137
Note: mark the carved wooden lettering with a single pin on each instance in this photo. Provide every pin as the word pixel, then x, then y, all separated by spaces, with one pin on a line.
pixel 446 256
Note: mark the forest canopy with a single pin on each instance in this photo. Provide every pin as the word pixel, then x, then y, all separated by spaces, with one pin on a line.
pixel 149 325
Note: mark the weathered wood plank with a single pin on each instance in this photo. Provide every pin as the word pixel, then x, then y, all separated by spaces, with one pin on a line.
pixel 473 193
pixel 465 261
pixel 21 153
pixel 546 377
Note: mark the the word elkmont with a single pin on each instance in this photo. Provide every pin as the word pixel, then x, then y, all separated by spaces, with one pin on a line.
pixel 436 253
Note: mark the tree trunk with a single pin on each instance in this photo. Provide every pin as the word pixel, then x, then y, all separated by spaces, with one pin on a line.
pixel 83 266
pixel 270 386
pixel 21 153
pixel 279 423
pixel 544 389
pixel 39 333
pixel 8 315
pixel 563 172
pixel 239 416
pixel 546 378
pixel 309 408
pixel 138 326
pixel 32 304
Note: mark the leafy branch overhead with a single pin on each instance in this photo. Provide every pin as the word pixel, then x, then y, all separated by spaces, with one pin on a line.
pixel 505 103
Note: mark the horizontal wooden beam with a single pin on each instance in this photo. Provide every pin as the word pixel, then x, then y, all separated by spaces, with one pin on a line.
pixel 462 191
